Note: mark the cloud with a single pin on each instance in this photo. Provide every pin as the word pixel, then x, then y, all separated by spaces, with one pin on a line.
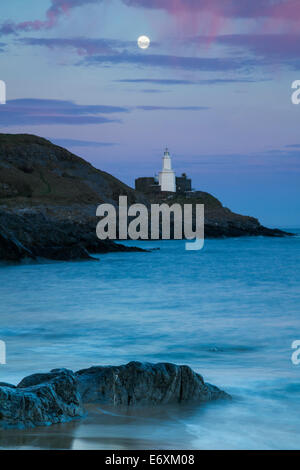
pixel 293 146
pixel 210 16
pixel 210 81
pixel 48 112
pixel 81 143
pixel 82 46
pixel 178 62
pixel 155 81
pixel 191 16
pixel 57 9
pixel 225 8
pixel 173 108
pixel 274 46
pixel 150 90
pixel 39 112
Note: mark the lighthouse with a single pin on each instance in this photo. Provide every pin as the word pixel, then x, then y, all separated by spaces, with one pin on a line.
pixel 166 177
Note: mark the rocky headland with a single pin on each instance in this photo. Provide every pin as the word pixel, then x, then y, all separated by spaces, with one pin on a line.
pixel 61 395
pixel 48 201
pixel 49 196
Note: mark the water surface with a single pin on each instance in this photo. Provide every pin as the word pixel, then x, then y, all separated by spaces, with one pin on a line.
pixel 230 311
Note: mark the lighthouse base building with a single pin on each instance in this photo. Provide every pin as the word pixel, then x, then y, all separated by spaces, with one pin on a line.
pixel 166 182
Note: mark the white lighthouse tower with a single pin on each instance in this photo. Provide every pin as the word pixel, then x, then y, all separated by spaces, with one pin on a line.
pixel 166 177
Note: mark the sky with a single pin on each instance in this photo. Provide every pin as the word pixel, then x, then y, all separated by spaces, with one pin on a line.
pixel 214 86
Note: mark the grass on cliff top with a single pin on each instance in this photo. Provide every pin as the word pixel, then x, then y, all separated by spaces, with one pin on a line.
pixel 17 139
pixel 69 179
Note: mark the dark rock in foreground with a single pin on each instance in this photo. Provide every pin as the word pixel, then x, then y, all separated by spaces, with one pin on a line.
pixel 5 384
pixel 57 397
pixel 144 384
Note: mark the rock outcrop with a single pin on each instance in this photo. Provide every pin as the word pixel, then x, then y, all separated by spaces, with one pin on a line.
pixel 37 233
pixel 52 398
pixel 144 384
pixel 58 396
pixel 5 384
pixel 12 249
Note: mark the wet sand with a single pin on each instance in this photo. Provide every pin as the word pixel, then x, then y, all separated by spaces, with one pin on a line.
pixel 106 428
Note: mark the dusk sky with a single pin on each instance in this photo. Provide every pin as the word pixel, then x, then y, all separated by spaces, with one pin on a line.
pixel 214 85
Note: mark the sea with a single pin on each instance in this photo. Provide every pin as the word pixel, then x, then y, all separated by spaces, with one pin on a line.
pixel 231 311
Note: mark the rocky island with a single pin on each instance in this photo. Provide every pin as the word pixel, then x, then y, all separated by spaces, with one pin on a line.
pixel 49 196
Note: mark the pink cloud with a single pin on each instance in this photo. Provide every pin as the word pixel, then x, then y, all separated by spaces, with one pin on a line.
pixel 226 8
pixel 57 9
pixel 209 16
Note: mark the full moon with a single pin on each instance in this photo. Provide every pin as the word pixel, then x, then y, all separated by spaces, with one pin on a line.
pixel 143 42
